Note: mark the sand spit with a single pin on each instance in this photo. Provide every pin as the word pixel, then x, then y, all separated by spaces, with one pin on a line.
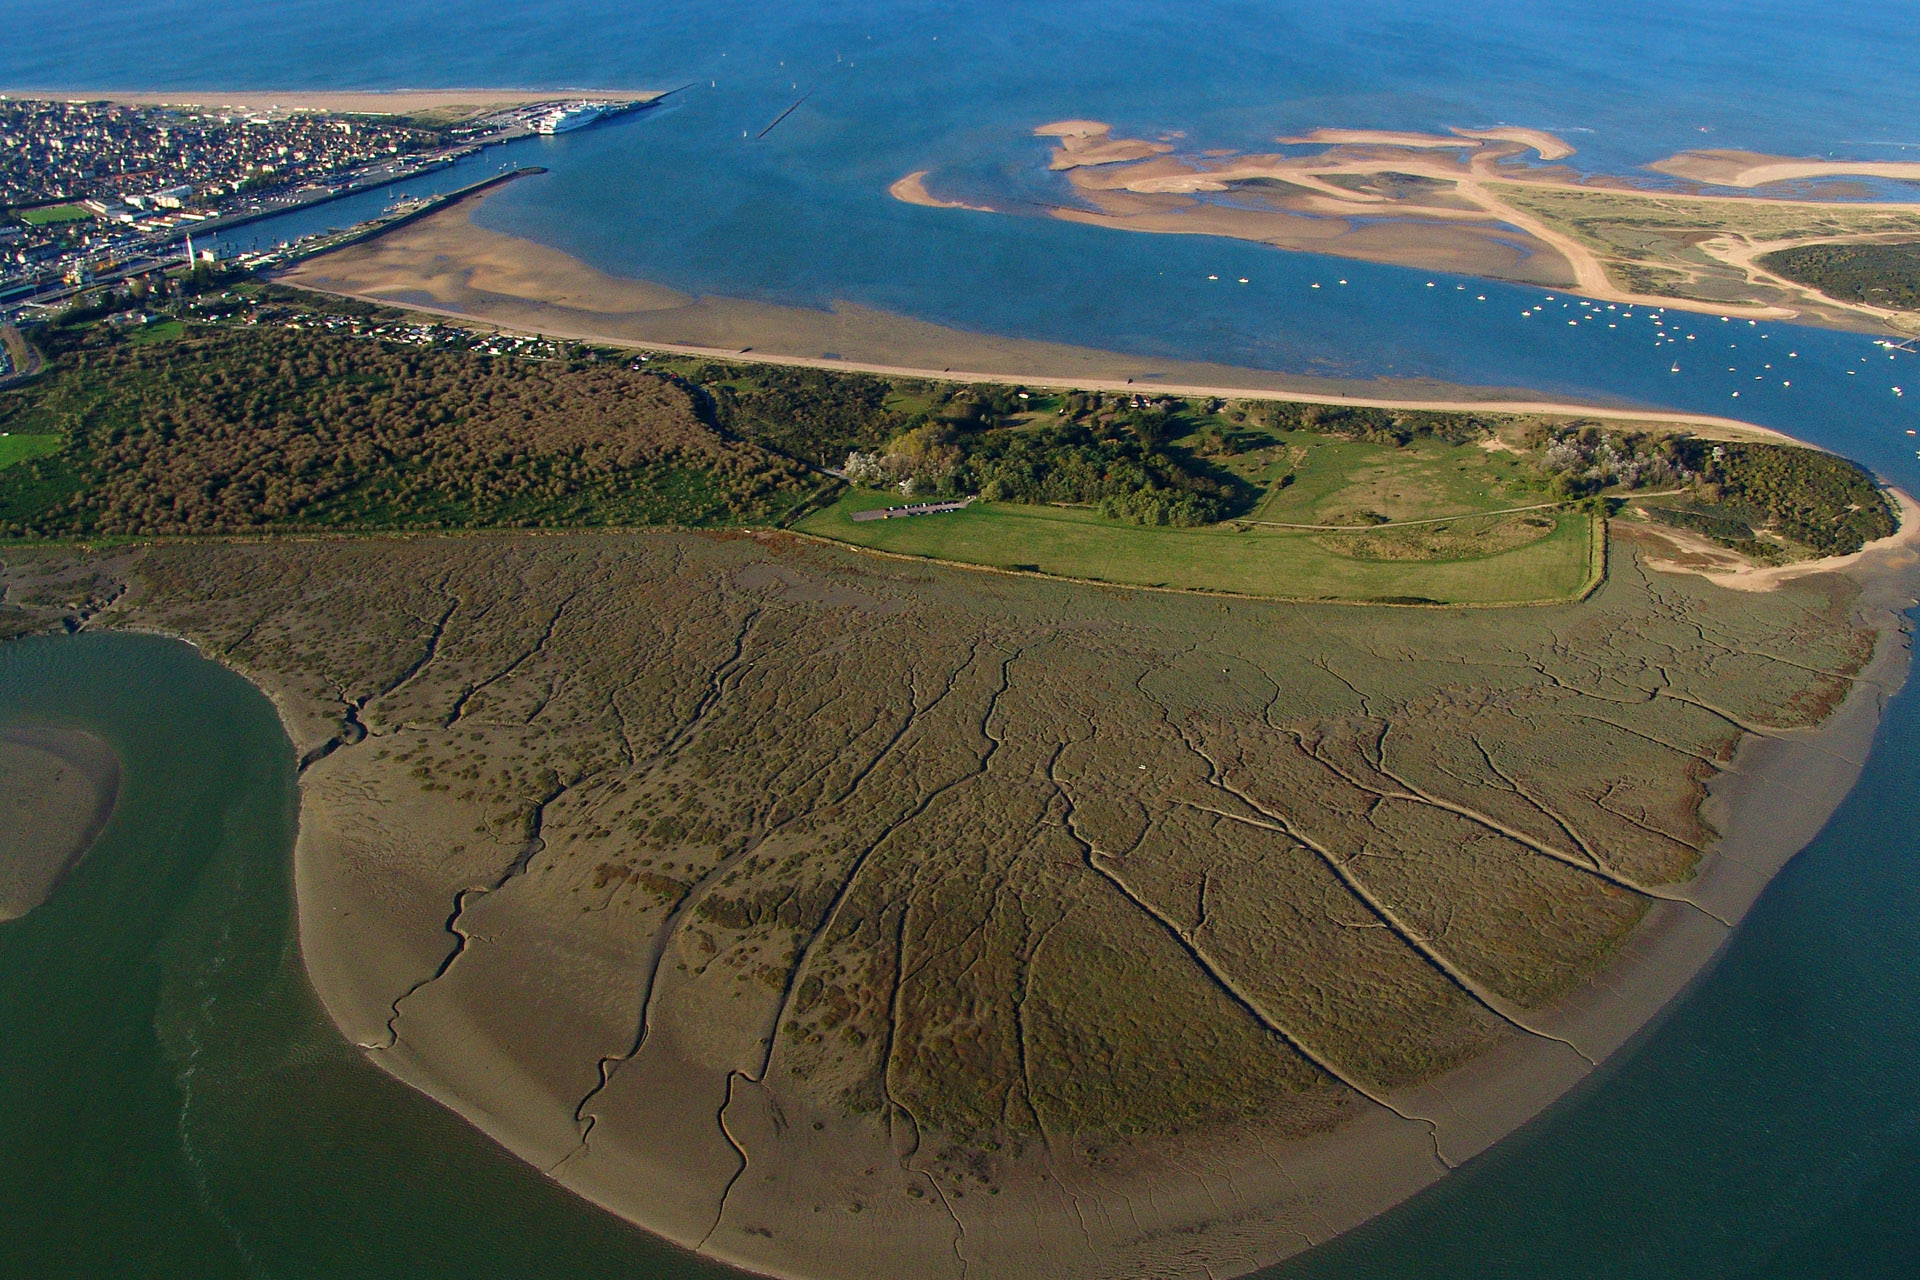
pixel 1725 568
pixel 445 265
pixel 1549 146
pixel 1757 169
pixel 371 102
pixel 57 789
pixel 912 189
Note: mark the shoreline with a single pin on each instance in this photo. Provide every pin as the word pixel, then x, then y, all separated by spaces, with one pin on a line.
pixel 1767 577
pixel 344 102
pixel 552 294
pixel 1768 802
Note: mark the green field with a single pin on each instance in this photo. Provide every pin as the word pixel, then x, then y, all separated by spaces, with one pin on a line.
pixel 53 213
pixel 1318 479
pixel 1459 549
pixel 164 331
pixel 19 448
pixel 1242 558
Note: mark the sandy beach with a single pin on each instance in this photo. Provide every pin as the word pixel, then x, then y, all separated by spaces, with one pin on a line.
pixel 57 789
pixel 446 265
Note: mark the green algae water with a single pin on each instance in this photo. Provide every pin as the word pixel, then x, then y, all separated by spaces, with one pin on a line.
pixel 173 1100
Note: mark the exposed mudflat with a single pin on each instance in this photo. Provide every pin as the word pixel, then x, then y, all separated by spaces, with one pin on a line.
pixel 835 916
pixel 57 788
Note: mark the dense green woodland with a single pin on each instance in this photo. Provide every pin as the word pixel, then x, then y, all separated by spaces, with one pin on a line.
pixel 1377 426
pixel 237 429
pixel 1815 499
pixel 1881 275
pixel 250 428
pixel 809 414
pixel 943 440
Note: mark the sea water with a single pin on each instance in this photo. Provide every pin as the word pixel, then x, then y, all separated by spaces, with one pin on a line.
pixel 173 1100
pixel 185 1109
pixel 690 195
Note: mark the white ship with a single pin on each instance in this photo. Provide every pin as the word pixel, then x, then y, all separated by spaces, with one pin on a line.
pixel 568 116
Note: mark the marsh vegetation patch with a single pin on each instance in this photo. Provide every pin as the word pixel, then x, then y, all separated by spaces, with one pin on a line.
pixel 1009 855
pixel 1463 539
pixel 981 883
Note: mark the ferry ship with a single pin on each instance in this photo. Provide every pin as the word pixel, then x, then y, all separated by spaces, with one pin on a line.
pixel 573 115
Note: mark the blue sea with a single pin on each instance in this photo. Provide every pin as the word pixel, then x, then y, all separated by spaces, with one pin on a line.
pixel 688 195
pixel 1770 1126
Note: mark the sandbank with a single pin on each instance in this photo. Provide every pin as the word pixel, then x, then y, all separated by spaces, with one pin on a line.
pixel 1090 142
pixel 446 265
pixel 57 790
pixel 912 189
pixel 1375 137
pixel 346 102
pixel 1757 169
pixel 1469 202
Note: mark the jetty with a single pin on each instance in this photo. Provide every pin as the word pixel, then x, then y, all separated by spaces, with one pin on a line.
pixel 400 216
